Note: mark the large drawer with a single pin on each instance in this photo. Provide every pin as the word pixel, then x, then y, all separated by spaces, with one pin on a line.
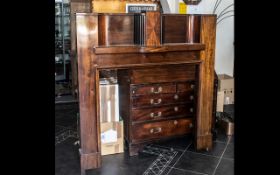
pixel 153 89
pixel 161 99
pixel 161 74
pixel 157 113
pixel 161 129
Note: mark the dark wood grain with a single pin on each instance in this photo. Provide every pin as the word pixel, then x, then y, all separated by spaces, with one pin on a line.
pixel 167 128
pixel 158 113
pixel 88 93
pixel 153 89
pixel 163 74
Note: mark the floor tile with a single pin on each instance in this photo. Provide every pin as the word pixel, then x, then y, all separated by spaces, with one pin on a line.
pixel 218 148
pixel 229 153
pixel 179 143
pixel 197 162
pixel 175 171
pixel 226 167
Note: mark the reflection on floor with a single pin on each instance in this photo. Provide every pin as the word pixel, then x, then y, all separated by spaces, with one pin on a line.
pixel 173 157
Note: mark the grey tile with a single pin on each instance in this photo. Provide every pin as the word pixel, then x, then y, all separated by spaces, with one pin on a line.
pixel 179 143
pixel 218 148
pixel 197 162
pixel 226 167
pixel 175 171
pixel 229 153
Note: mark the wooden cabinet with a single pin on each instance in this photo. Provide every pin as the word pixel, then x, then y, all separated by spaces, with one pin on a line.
pixel 166 78
pixel 161 103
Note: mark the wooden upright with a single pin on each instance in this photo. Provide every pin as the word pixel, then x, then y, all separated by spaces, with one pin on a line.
pixel 183 44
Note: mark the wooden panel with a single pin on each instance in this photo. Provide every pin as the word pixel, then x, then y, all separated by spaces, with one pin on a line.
pixel 186 86
pixel 152 31
pixel 206 83
pixel 161 129
pixel 174 29
pixel 88 92
pixel 162 99
pixel 153 89
pixel 162 112
pixel 163 74
pixel 115 29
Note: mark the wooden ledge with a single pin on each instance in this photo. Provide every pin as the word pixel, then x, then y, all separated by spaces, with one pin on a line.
pixel 141 49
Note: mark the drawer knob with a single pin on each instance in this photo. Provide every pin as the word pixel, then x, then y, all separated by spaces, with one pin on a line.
pixel 176 108
pixel 190 125
pixel 152 115
pixel 175 122
pixel 192 86
pixel 176 96
pixel 152 101
pixel 191 97
pixel 191 109
pixel 158 90
pixel 155 130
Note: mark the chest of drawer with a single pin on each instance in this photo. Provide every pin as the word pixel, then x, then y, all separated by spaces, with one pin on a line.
pixel 161 129
pixel 151 89
pixel 157 113
pixel 163 74
pixel 162 99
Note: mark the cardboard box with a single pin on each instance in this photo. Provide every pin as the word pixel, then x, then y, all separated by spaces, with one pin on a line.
pixel 226 84
pixel 112 147
pixel 220 101
pixel 109 103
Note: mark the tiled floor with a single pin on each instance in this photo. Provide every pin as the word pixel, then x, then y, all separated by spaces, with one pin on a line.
pixel 186 161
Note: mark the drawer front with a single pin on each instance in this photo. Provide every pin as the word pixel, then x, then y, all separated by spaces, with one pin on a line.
pixel 163 74
pixel 185 87
pixel 153 89
pixel 162 112
pixel 161 99
pixel 161 129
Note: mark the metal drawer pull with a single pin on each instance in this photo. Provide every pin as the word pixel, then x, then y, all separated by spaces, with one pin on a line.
pixel 192 86
pixel 176 108
pixel 190 125
pixel 152 101
pixel 191 97
pixel 191 109
pixel 175 122
pixel 152 115
pixel 155 130
pixel 158 90
pixel 176 96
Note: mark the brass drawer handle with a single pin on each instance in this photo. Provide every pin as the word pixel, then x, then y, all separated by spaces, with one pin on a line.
pixel 190 125
pixel 158 90
pixel 175 122
pixel 191 97
pixel 176 108
pixel 152 101
pixel 191 109
pixel 152 115
pixel 176 97
pixel 192 86
pixel 155 130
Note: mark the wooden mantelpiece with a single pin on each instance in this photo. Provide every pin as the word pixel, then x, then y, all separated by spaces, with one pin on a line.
pixel 107 41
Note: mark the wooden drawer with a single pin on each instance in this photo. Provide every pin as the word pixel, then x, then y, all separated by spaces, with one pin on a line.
pixel 163 74
pixel 162 112
pixel 162 99
pixel 161 129
pixel 153 89
pixel 185 87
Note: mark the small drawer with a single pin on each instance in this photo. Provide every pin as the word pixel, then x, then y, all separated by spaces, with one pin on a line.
pixel 185 87
pixel 162 112
pixel 153 89
pixel 161 129
pixel 161 99
pixel 163 74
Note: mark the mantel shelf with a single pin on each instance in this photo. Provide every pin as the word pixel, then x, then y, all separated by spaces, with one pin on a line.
pixel 143 49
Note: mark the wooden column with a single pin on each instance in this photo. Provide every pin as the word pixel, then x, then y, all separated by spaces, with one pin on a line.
pixel 152 30
pixel 76 6
pixel 206 83
pixel 87 37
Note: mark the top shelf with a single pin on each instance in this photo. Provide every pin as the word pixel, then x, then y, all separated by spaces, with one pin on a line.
pixel 142 49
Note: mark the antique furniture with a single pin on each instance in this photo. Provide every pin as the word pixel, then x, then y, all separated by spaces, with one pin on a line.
pixel 165 65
